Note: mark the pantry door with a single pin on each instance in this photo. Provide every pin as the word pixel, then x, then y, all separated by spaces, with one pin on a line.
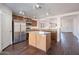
pixel 0 31
pixel 6 28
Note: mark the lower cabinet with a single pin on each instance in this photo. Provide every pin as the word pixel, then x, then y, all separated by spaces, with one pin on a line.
pixel 40 41
pixel 32 39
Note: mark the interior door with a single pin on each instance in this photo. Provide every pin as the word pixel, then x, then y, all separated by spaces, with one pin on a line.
pixel 0 32
pixel 6 30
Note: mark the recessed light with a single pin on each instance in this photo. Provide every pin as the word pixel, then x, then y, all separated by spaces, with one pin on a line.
pixel 21 12
pixel 37 6
pixel 47 13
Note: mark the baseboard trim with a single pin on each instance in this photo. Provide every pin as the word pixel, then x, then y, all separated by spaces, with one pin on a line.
pixel 12 44
pixel 19 42
pixel 6 47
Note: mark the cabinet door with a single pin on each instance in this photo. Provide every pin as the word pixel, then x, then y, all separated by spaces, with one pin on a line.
pixel 32 39
pixel 41 42
pixel 48 41
pixel 34 23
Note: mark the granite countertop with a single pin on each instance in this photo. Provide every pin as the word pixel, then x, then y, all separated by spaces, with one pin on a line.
pixel 41 32
pixel 46 30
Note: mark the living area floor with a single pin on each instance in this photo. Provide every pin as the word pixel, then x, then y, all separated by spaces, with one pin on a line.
pixel 68 45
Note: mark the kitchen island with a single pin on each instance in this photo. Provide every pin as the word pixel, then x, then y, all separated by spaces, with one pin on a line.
pixel 40 40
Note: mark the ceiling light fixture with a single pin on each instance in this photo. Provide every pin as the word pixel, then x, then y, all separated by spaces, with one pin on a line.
pixel 37 6
pixel 21 12
pixel 47 13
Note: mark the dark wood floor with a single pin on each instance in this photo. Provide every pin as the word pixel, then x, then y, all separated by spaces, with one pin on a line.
pixel 69 45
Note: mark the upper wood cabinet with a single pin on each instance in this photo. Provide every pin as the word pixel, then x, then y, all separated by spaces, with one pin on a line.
pixel 34 23
pixel 32 39
pixel 28 20
pixel 17 17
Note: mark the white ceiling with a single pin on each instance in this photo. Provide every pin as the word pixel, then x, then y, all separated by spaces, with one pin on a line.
pixel 51 8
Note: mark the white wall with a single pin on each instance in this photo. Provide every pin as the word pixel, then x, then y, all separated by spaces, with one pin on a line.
pixel 49 23
pixel 76 26
pixel 5 9
pixel 6 26
pixel 71 24
pixel 67 24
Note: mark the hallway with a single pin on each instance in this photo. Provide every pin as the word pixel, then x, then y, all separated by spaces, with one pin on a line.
pixel 69 45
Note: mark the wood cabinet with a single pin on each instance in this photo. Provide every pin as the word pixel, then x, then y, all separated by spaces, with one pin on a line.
pixel 17 17
pixel 40 41
pixel 54 36
pixel 28 20
pixel 32 39
pixel 34 23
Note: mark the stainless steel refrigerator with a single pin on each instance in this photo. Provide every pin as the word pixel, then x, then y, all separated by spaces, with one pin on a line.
pixel 19 31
